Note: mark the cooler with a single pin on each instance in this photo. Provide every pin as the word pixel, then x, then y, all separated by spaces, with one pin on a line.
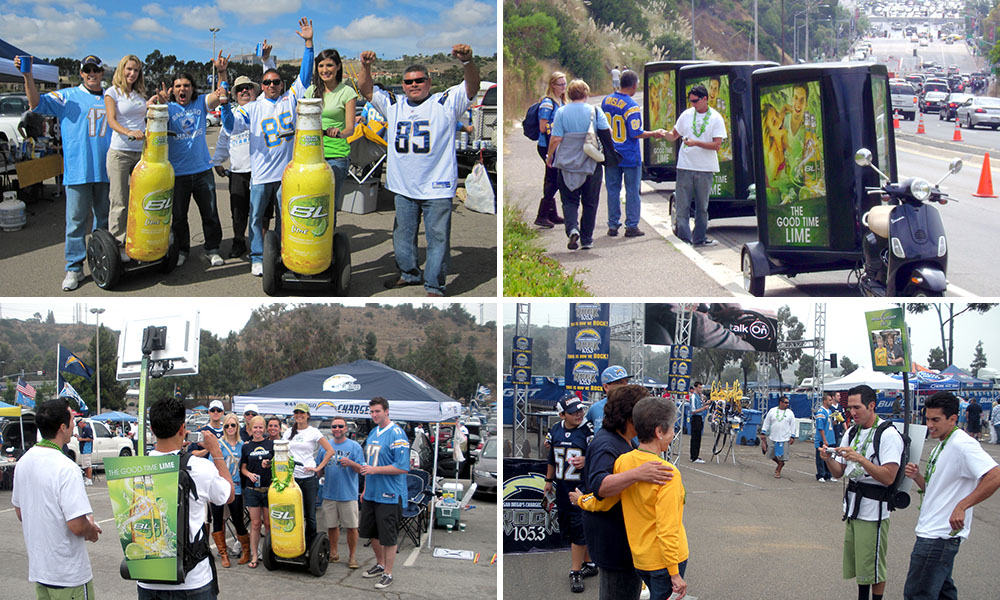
pixel 452 492
pixel 448 514
pixel 359 198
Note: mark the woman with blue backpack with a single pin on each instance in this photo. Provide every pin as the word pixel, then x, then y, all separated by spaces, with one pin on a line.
pixel 555 97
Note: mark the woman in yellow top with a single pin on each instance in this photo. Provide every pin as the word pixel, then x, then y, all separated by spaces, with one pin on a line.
pixel 653 513
pixel 339 104
pixel 881 354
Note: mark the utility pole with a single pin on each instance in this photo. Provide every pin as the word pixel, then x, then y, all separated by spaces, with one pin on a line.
pixel 215 82
pixel 98 312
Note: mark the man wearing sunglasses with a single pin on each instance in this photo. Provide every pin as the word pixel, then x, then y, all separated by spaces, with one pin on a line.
pixel 340 491
pixel 271 123
pixel 214 427
pixel 422 169
pixel 701 130
pixel 86 138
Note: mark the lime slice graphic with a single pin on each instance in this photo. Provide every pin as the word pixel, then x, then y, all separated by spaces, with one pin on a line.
pixel 134 552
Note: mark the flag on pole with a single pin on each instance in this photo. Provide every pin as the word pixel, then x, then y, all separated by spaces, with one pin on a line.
pixel 71 363
pixel 68 391
pixel 25 393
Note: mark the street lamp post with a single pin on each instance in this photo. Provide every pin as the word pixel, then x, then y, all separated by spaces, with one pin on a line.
pixel 214 30
pixel 98 312
pixel 692 31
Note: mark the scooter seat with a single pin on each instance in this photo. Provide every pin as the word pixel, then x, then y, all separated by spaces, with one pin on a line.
pixel 877 220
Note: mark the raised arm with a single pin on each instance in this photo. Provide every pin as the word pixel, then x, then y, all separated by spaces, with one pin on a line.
pixel 29 85
pixel 365 76
pixel 306 70
pixel 463 52
pixel 219 95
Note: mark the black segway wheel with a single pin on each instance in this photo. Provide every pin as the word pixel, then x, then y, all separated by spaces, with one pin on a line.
pixel 173 254
pixel 102 257
pixel 341 264
pixel 752 282
pixel 319 555
pixel 267 554
pixel 672 202
pixel 272 263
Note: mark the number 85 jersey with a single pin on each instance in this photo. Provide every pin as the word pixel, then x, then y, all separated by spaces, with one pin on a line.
pixel 565 444
pixel 625 117
pixel 421 140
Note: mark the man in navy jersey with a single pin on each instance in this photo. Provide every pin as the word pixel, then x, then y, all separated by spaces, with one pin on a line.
pixel 625 117
pixel 567 442
pixel 421 167
pixel 387 459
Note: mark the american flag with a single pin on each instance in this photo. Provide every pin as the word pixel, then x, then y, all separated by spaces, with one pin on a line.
pixel 25 388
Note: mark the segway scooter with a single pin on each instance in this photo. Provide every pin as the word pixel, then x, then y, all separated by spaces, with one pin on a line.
pixel 307 254
pixel 149 243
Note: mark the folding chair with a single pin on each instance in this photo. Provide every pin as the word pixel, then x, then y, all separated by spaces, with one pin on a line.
pixel 424 476
pixel 415 511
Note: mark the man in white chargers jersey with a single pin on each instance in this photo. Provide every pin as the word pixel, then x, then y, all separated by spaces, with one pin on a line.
pixel 271 122
pixel 422 169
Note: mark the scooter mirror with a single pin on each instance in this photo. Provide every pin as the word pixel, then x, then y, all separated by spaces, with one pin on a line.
pixel 863 157
pixel 955 166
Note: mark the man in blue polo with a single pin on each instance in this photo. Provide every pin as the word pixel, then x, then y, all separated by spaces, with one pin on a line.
pixel 612 377
pixel 625 117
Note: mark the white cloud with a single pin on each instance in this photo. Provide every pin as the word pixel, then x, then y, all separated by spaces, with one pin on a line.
pixel 199 17
pixel 77 7
pixel 259 11
pixel 382 4
pixel 148 25
pixel 60 36
pixel 371 27
pixel 154 10
pixel 470 12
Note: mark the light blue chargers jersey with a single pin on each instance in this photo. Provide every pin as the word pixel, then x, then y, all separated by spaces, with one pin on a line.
pixel 385 447
pixel 86 135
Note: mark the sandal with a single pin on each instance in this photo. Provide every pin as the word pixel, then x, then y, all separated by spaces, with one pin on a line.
pixel 252 564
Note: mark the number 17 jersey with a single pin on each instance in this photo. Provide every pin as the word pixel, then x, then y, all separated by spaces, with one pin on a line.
pixel 421 140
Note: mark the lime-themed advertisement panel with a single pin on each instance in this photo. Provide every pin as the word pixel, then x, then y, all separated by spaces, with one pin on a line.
pixel 520 360
pixel 588 343
pixel 888 339
pixel 796 191
pixel 881 106
pixel 724 183
pixel 679 381
pixel 661 88
pixel 143 491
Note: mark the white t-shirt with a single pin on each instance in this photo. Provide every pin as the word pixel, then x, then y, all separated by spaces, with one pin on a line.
pixel 49 491
pixel 131 115
pixel 303 448
pixel 890 451
pixel 212 488
pixel 421 139
pixel 235 148
pixel 693 158
pixel 780 425
pixel 958 470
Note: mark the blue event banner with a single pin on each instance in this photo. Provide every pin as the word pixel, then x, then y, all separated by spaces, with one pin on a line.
pixel 588 344
pixel 520 360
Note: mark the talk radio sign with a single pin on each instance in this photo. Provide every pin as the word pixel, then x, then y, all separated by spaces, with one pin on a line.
pixel 520 360
pixel 588 342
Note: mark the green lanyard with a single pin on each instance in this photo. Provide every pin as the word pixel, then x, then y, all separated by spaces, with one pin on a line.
pixel 857 471
pixel 49 444
pixel 932 462
pixel 704 123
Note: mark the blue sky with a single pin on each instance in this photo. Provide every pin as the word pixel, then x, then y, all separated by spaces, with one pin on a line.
pixel 113 28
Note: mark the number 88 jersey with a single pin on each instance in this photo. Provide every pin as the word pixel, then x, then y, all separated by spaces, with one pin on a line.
pixel 421 140
pixel 565 444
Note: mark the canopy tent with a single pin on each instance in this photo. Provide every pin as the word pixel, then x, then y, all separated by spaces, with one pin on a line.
pixel 43 71
pixel 651 382
pixel 966 379
pixel 201 408
pixel 862 376
pixel 345 390
pixel 9 410
pixel 115 416
pixel 954 380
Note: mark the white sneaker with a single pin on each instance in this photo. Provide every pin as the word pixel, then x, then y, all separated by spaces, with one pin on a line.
pixel 821 480
pixel 88 481
pixel 72 280
pixel 697 461
pixel 831 480
pixel 123 256
pixel 215 259
pixel 257 269
pixel 181 258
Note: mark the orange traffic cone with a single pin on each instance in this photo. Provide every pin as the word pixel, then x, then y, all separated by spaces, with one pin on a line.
pixel 895 119
pixel 985 180
pixel 920 127
pixel 958 132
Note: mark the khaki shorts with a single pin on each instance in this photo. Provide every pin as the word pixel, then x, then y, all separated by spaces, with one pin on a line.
pixel 865 546
pixel 340 514
pixel 86 460
pixel 80 592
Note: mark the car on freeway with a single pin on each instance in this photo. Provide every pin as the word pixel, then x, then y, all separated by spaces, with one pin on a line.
pixel 904 99
pixel 950 106
pixel 933 94
pixel 484 472
pixel 923 42
pixel 979 110
pixel 105 444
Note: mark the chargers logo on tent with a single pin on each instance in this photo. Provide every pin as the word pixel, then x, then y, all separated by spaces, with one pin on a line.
pixel 341 383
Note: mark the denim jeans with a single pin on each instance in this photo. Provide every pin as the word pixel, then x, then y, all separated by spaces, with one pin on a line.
pixel 83 201
pixel 997 429
pixel 262 195
pixel 587 196
pixel 202 187
pixel 339 166
pixel 822 471
pixel 613 183
pixel 205 592
pixel 692 185
pixel 436 213
pixel 658 582
pixel 931 562
pixel 310 489
pixel 619 585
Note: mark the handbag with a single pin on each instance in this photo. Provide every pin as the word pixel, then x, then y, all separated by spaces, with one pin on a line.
pixel 592 144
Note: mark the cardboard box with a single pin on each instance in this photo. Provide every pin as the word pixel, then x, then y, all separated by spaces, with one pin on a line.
pixel 359 198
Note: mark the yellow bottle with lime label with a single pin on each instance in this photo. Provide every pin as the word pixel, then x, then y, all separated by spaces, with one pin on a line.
pixel 307 196
pixel 284 499
pixel 151 192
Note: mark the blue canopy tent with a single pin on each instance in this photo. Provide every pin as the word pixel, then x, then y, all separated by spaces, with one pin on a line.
pixel 42 70
pixel 543 392
pixel 116 416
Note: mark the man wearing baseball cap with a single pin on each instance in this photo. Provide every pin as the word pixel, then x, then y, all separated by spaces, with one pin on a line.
pixel 248 413
pixel 567 442
pixel 612 377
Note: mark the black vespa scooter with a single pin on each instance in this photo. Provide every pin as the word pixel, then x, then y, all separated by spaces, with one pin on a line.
pixel 905 248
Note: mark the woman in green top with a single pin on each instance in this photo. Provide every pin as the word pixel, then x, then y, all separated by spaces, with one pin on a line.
pixel 339 103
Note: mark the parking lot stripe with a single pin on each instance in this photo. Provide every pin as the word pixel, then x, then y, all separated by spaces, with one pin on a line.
pixel 412 558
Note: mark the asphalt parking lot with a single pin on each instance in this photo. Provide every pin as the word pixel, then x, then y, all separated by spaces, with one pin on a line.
pixel 752 536
pixel 417 574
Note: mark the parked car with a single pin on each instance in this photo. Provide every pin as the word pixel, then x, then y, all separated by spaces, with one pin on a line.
pixel 105 444
pixel 951 104
pixel 933 95
pixel 12 107
pixel 214 118
pixel 11 431
pixel 979 110
pixel 904 99
pixel 484 472
pixel 446 451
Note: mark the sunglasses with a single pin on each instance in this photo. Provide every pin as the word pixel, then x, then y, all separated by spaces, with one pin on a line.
pixel 299 412
pixel 228 425
pixel 92 69
pixel 215 410
pixel 271 82
pixel 243 88
pixel 250 413
pixel 694 100
pixel 337 426
pixel 416 80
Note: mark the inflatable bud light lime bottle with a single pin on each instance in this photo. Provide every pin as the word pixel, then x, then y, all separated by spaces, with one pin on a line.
pixel 307 196
pixel 151 191
pixel 284 499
